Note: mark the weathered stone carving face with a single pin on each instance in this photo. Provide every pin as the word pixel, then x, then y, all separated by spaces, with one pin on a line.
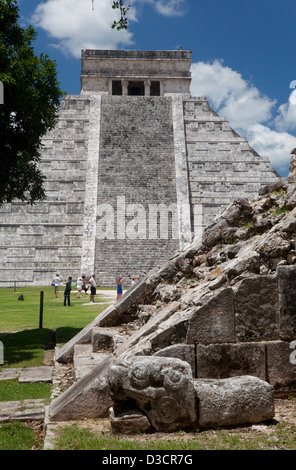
pixel 161 387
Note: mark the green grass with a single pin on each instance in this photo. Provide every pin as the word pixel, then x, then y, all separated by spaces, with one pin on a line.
pixel 25 348
pixel 24 345
pixel 18 436
pixel 12 390
pixel 18 315
pixel 73 437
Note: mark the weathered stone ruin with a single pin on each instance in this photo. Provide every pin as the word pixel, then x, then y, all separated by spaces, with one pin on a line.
pixel 213 329
pixel 206 336
pixel 133 143
pixel 165 397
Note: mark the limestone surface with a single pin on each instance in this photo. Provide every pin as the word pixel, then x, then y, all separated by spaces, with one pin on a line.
pixel 161 387
pixel 230 311
pixel 237 400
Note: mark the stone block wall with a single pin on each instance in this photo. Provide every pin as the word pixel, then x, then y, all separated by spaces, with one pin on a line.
pixel 170 68
pixel 248 329
pixel 222 166
pixel 36 242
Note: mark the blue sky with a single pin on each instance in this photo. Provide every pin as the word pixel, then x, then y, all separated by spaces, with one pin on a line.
pixel 243 54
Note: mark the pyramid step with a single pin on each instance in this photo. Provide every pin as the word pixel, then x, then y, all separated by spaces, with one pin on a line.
pixel 104 340
pixel 85 360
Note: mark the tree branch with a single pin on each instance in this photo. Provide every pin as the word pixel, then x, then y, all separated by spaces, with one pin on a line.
pixel 123 21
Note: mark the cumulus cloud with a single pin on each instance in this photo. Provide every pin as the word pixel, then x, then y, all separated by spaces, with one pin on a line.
pixel 230 94
pixel 73 25
pixel 273 144
pixel 250 113
pixel 286 120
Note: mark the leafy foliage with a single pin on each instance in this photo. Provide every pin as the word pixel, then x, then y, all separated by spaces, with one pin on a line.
pixel 31 99
pixel 123 21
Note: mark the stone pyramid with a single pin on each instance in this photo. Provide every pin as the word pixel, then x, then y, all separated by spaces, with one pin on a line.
pixel 135 168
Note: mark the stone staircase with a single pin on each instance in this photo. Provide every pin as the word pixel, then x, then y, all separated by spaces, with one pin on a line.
pixel 136 164
pixel 85 359
pixel 236 314
pixel 87 356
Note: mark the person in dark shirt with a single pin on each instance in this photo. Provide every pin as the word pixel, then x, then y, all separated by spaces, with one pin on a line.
pixel 68 291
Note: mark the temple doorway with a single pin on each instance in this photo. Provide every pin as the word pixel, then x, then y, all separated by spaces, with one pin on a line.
pixel 136 89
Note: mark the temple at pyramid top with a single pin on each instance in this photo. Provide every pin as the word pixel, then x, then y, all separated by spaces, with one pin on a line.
pixel 137 73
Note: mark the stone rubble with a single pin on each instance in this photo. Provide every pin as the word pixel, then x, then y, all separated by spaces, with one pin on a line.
pixel 224 304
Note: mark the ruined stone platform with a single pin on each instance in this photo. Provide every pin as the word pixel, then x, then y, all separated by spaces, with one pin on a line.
pixel 28 374
pixel 23 410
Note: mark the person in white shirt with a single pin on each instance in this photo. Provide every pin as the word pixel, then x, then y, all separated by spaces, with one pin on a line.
pixel 56 283
pixel 79 287
pixel 93 285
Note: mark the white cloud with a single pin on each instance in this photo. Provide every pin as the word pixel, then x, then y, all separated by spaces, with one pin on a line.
pixel 273 144
pixel 249 112
pixel 230 94
pixel 75 26
pixel 170 7
pixel 165 7
pixel 286 120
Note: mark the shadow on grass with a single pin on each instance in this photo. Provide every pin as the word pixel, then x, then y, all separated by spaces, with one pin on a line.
pixel 65 333
pixel 25 348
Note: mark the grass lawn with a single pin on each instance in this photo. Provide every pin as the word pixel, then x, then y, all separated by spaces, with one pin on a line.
pixel 24 342
pixel 16 315
pixel 18 436
pixel 89 436
pixel 13 390
pixel 25 348
pixel 24 345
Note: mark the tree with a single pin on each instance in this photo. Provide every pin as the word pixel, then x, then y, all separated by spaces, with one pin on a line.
pixel 123 21
pixel 31 100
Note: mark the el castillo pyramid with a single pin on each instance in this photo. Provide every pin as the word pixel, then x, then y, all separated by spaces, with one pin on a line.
pixel 135 168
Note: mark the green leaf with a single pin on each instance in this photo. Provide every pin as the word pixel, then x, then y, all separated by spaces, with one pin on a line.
pixel 31 100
